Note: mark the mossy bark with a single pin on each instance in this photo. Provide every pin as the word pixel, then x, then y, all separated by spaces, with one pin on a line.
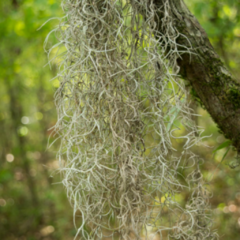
pixel 211 81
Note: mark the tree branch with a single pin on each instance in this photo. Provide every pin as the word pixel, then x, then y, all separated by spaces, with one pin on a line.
pixel 211 82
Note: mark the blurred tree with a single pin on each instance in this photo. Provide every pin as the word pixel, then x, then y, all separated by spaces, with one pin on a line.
pixel 27 203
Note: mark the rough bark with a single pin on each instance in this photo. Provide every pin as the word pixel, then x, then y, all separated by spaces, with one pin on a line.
pixel 211 82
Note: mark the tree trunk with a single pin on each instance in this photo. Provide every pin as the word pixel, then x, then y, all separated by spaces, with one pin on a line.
pixel 211 82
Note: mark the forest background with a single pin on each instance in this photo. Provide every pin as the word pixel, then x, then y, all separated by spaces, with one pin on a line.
pixel 33 203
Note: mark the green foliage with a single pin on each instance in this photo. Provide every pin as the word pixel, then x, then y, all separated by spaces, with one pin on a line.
pixel 29 204
pixel 221 20
pixel 223 145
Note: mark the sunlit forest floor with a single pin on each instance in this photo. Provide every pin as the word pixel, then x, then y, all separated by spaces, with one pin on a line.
pixel 33 203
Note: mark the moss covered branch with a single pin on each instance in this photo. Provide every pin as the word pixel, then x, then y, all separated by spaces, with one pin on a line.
pixel 211 82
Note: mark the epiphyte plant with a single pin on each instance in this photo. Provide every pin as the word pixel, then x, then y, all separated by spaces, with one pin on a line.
pixel 121 110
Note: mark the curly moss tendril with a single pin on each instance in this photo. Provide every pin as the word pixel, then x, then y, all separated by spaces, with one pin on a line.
pixel 121 109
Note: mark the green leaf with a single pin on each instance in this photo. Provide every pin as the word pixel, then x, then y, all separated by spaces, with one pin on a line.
pixel 223 145
pixel 225 154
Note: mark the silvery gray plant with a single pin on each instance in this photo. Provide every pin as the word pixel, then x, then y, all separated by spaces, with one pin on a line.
pixel 121 110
